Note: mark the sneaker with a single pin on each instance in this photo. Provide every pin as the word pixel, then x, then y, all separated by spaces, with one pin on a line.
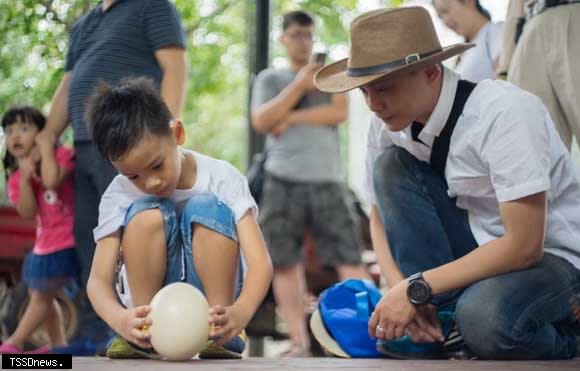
pixel 40 350
pixel 13 349
pixel 10 349
pixel 296 350
pixel 452 347
pixel 232 350
pixel 119 348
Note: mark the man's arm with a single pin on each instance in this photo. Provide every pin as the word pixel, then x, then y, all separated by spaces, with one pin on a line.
pixel 327 115
pixel 389 268
pixel 57 118
pixel 174 65
pixel 272 113
pixel 519 248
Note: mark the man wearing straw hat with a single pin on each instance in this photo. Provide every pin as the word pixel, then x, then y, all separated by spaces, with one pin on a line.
pixel 475 202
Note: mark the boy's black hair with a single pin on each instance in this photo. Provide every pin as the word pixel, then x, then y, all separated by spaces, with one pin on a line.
pixel 298 17
pixel 14 114
pixel 120 116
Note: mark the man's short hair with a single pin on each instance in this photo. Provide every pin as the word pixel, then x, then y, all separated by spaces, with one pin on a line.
pixel 298 17
pixel 119 116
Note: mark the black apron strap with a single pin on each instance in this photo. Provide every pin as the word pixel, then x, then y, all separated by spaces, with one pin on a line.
pixel 440 149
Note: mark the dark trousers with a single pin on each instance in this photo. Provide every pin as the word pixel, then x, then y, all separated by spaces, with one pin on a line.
pixel 518 315
pixel 93 174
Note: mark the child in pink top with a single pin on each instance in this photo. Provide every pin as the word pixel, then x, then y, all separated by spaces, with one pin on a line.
pixel 42 191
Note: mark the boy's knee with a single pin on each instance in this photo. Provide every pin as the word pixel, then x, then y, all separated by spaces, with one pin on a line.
pixel 149 215
pixel 205 237
pixel 208 211
pixel 146 221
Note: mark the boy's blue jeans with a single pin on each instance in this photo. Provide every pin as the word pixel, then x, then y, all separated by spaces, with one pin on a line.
pixel 205 210
pixel 519 315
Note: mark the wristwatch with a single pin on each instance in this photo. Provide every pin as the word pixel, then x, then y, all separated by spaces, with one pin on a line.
pixel 418 291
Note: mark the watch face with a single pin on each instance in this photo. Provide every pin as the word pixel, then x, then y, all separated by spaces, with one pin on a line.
pixel 419 292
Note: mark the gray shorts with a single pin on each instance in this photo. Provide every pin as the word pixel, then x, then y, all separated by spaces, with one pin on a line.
pixel 288 209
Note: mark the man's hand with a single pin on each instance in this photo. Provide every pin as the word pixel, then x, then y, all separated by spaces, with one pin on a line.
pixel 425 327
pixel 226 323
pixel 46 139
pixel 281 128
pixel 306 77
pixel 133 324
pixel 27 167
pixel 393 313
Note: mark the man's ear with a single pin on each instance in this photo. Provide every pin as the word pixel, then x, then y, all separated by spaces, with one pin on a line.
pixel 433 72
pixel 178 131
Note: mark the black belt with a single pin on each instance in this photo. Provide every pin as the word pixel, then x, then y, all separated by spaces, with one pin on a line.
pixel 539 6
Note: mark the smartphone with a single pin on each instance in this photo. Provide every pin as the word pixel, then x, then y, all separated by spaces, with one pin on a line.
pixel 319 58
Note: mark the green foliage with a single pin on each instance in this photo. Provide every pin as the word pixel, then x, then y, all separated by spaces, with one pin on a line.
pixel 34 41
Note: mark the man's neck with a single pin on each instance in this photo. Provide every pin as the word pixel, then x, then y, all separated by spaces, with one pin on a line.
pixel 296 65
pixel 432 102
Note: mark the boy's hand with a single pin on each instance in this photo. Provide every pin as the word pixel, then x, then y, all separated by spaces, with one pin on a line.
pixel 226 322
pixel 133 326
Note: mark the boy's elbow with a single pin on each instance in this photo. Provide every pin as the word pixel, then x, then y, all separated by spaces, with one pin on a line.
pixel 269 270
pixel 91 290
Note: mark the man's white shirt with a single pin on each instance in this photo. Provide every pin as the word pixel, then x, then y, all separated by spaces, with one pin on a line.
pixel 504 147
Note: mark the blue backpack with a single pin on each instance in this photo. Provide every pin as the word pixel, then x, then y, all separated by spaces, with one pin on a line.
pixel 345 309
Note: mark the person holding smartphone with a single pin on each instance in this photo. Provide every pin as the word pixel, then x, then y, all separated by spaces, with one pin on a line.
pixel 304 190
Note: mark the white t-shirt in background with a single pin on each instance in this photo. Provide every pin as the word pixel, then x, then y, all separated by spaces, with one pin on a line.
pixel 478 63
pixel 214 176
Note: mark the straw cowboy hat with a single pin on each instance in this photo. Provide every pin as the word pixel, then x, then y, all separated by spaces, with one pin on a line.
pixel 384 42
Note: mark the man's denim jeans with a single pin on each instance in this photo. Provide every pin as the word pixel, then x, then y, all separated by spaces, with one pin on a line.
pixel 519 315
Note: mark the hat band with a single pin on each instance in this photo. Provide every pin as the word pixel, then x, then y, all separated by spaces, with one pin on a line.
pixel 389 66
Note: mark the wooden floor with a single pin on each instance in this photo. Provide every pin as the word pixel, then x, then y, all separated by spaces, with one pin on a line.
pixel 266 364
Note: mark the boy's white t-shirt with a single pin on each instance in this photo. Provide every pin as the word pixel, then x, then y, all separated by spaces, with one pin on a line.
pixel 214 176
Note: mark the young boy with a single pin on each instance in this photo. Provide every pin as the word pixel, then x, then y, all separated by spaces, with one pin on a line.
pixel 170 215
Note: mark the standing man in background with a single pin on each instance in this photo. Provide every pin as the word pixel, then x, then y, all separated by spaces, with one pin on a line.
pixel 304 189
pixel 545 60
pixel 114 40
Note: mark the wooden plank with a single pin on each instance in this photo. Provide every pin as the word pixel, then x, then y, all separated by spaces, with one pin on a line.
pixel 335 364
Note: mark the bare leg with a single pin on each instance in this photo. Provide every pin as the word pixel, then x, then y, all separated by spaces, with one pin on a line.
pixel 352 271
pixel 289 285
pixel 54 325
pixel 33 317
pixel 216 260
pixel 145 255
